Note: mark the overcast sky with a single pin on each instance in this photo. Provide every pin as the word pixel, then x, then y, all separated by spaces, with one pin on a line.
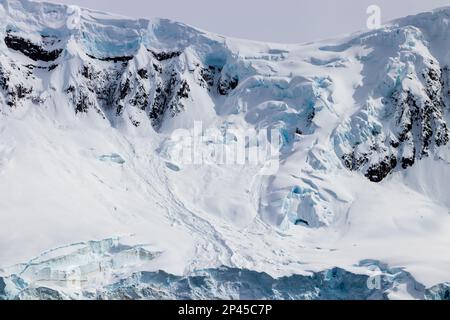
pixel 289 21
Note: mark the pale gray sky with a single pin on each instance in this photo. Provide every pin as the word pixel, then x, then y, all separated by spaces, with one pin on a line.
pixel 289 21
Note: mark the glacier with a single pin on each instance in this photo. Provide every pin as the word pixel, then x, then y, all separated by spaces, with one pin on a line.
pixel 95 202
pixel 102 270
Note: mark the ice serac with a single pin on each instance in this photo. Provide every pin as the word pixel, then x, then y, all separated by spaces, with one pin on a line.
pixel 103 270
pixel 89 106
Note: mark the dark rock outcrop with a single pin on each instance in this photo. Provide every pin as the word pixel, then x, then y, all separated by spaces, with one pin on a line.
pixel 419 127
pixel 14 92
pixel 112 59
pixel 31 50
pixel 379 171
pixel 163 56
pixel 168 98
pixel 227 84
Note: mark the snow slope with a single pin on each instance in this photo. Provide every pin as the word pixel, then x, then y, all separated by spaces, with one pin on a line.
pixel 89 103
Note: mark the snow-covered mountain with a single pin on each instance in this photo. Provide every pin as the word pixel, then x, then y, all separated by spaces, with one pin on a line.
pixel 94 200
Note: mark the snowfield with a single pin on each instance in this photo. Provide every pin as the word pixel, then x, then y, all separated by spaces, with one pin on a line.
pixel 94 200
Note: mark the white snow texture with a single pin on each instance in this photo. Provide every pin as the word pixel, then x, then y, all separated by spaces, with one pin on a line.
pixel 88 105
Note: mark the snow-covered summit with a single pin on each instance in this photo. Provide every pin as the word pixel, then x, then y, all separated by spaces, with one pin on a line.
pixel 88 105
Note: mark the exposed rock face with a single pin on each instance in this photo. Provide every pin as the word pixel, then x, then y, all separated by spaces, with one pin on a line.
pixel 157 89
pixel 378 172
pixel 152 82
pixel 208 76
pixel 168 97
pixel 31 50
pixel 416 113
pixel 214 78
pixel 94 89
pixel 227 84
pixel 113 59
pixel 163 56
pixel 14 91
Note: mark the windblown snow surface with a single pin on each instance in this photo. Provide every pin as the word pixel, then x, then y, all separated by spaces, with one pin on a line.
pixel 94 205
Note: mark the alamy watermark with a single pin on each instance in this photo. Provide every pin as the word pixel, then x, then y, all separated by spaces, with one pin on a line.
pixel 73 17
pixel 226 147
pixel 374 20
pixel 374 282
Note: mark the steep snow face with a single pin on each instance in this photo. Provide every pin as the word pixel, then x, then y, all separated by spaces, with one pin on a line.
pixel 90 108
pixel 404 113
